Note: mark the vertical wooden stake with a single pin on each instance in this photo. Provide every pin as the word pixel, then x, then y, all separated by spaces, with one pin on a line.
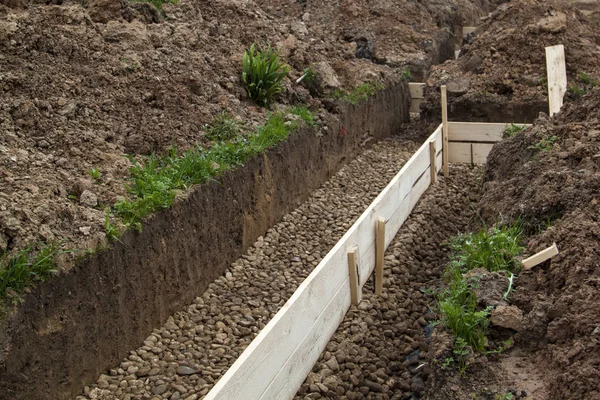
pixel 353 271
pixel 445 130
pixel 432 157
pixel 557 77
pixel 379 253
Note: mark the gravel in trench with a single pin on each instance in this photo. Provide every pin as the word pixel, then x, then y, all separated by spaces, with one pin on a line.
pixel 185 357
pixel 374 354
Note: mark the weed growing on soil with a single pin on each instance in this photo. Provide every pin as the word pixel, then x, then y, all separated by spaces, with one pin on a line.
pixel 309 75
pixel 95 174
pixel 360 93
pixel 491 249
pixel 511 130
pixel 26 268
pixel 156 3
pixel 544 144
pixel 154 182
pixel 263 73
pixel 224 127
pixel 405 74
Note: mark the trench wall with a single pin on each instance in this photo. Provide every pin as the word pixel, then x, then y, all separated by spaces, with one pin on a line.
pixel 70 329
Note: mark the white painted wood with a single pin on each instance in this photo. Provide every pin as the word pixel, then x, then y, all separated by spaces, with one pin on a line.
pixel 480 152
pixel 415 106
pixel 540 257
pixel 277 361
pixel 456 54
pixel 557 77
pixel 477 131
pixel 467 30
pixel 445 128
pixel 460 152
pixel 417 90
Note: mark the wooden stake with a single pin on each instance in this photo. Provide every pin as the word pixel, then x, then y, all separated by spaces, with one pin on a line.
pixel 353 271
pixel 432 157
pixel 379 254
pixel 540 257
pixel 445 130
pixel 557 77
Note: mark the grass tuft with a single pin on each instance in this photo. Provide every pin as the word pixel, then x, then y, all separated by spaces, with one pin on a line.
pixel 512 129
pixel 263 72
pixel 224 127
pixel 360 93
pixel 26 268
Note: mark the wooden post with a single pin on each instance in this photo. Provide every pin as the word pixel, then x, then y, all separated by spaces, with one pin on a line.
pixel 557 77
pixel 353 271
pixel 379 254
pixel 540 257
pixel 432 157
pixel 444 130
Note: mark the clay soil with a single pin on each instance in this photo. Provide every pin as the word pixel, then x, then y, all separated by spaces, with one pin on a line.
pixel 500 74
pixel 85 84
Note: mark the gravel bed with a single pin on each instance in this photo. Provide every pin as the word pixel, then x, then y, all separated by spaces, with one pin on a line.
pixel 375 352
pixel 185 357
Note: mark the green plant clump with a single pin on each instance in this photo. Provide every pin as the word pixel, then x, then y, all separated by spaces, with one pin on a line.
pixel 545 144
pixel 359 93
pixel 224 127
pixel 154 182
pixel 95 174
pixel 262 73
pixel 493 250
pixel 512 129
pixel 26 268
pixel 156 3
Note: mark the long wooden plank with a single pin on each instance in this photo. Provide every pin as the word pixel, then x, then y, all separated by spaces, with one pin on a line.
pixel 557 77
pixel 480 152
pixel 415 105
pixel 460 152
pixel 477 131
pixel 286 340
pixel 294 372
pixel 540 257
pixel 417 90
pixel 445 128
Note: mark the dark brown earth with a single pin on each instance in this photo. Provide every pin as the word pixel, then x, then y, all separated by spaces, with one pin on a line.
pixel 500 75
pixel 548 177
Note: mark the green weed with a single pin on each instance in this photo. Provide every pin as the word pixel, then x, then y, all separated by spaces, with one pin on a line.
pixel 544 144
pixel 26 268
pixel 156 3
pixel 586 79
pixel 263 73
pixel 309 75
pixel 505 396
pixel 95 174
pixel 113 233
pixel 405 76
pixel 224 127
pixel 360 93
pixel 512 129
pixel 305 114
pixel 576 90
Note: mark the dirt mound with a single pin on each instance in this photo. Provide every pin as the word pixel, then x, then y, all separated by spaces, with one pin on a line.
pixel 549 177
pixel 500 74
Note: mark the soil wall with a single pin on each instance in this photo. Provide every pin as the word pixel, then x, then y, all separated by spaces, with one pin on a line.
pixel 70 329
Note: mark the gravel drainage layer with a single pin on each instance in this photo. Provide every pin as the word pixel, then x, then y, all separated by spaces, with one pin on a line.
pixel 375 352
pixel 185 357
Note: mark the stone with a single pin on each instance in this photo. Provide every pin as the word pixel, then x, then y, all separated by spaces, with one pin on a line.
pixel 160 389
pixel 184 370
pixel 458 86
pixel 324 79
pixel 103 11
pixel 510 317
pixel 365 47
pixel 553 24
pixel 88 198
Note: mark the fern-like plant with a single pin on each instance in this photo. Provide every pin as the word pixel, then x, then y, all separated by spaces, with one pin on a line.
pixel 262 73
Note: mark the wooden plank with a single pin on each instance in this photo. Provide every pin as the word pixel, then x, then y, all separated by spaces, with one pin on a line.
pixel 466 30
pixel 460 152
pixel 540 257
pixel 417 90
pixel 480 152
pixel 415 106
pixel 456 54
pixel 432 157
pixel 279 358
pixel 477 131
pixel 380 252
pixel 445 128
pixel 355 292
pixel 557 77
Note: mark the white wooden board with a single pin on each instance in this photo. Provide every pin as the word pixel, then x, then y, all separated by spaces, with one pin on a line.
pixel 417 90
pixel 477 131
pixel 469 153
pixel 480 152
pixel 415 105
pixel 277 361
pixel 557 77
pixel 468 29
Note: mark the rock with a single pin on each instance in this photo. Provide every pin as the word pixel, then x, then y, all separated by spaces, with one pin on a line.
pixel 85 230
pixel 472 63
pixel 103 11
pixel 299 28
pixel 365 47
pixel 88 198
pixel 183 370
pixel 510 317
pixel 490 287
pixel 160 389
pixel 288 46
pixel 458 86
pixel 553 23
pixel 332 364
pixel 324 78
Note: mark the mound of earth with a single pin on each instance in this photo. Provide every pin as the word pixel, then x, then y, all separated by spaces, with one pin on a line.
pixel 84 84
pixel 500 74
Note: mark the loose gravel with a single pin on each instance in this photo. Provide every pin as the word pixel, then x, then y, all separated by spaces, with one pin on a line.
pixel 375 352
pixel 193 349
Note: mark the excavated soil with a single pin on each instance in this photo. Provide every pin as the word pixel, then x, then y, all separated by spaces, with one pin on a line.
pixel 547 177
pixel 500 75
pixel 195 347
